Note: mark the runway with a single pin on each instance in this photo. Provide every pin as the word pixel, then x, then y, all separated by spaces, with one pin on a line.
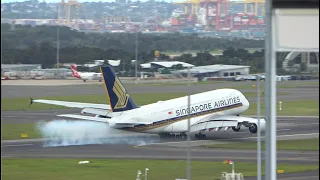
pixel 297 93
pixel 287 128
pixel 36 150
pixel 311 175
pixel 286 125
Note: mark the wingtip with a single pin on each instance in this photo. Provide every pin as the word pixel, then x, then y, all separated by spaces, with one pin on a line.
pixel 31 101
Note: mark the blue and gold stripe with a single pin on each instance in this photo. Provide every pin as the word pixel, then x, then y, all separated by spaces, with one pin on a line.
pixel 143 127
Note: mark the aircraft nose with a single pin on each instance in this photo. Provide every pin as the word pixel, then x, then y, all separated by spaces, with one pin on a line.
pixel 245 102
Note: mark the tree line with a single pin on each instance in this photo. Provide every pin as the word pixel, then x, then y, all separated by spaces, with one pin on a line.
pixel 24 35
pixel 38 45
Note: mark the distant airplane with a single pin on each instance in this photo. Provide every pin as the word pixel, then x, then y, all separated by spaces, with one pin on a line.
pixel 85 75
pixel 212 110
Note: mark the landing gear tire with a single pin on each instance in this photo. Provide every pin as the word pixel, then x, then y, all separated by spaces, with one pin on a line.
pixel 236 129
pixel 183 135
pixel 203 136
pixel 165 135
pixel 84 80
pixel 200 136
pixel 170 136
pixel 253 128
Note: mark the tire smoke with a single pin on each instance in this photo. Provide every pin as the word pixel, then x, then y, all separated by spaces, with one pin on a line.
pixel 71 132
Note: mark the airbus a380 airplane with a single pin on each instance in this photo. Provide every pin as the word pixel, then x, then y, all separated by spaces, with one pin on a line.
pixel 85 75
pixel 212 110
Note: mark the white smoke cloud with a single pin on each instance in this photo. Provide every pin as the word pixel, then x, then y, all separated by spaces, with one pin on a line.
pixel 68 132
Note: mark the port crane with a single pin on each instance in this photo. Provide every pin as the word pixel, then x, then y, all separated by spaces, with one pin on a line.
pixel 67 5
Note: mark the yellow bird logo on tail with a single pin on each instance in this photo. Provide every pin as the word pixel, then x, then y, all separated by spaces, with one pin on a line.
pixel 120 92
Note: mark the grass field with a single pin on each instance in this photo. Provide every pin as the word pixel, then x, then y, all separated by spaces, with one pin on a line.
pixel 290 108
pixel 23 103
pixel 69 169
pixel 141 99
pixel 294 108
pixel 14 131
pixel 301 144
pixel 235 85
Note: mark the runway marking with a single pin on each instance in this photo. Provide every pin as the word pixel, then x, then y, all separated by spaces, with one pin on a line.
pixel 277 130
pixel 298 178
pixel 15 145
pixel 312 158
pixel 287 116
pixel 289 135
pixel 302 124
pixel 6 156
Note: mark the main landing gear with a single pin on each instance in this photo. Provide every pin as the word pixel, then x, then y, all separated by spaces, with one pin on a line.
pixel 173 136
pixel 200 136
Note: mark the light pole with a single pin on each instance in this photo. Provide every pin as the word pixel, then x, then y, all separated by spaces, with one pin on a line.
pixel 138 175
pixel 259 132
pixel 188 149
pixel 270 96
pixel 280 105
pixel 58 47
pixel 146 174
pixel 136 62
pixel 1 68
pixel 233 170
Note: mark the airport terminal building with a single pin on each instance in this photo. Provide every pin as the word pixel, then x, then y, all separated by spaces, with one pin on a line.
pixel 218 70
pixel 19 67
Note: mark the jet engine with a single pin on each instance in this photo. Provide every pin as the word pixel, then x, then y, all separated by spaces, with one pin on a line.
pixel 253 127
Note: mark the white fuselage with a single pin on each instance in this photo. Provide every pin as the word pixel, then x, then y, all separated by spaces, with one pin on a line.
pixel 171 116
pixel 90 75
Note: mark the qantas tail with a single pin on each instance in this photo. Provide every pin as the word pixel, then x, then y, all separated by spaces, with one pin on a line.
pixel 118 97
pixel 74 71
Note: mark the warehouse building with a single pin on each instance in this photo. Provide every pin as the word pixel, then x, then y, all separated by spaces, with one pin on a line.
pixel 164 64
pixel 218 70
pixel 19 67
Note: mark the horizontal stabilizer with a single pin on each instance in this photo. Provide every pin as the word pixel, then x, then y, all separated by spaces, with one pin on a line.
pixel 71 104
pixel 101 112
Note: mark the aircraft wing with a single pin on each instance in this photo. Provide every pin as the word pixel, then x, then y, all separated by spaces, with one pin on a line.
pixel 222 121
pixel 71 104
pixel 104 120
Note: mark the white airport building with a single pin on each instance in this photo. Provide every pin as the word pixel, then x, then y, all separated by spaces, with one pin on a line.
pixel 218 70
pixel 19 67
pixel 164 64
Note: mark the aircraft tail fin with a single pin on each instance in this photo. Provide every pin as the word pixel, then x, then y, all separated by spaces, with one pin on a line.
pixel 74 71
pixel 118 97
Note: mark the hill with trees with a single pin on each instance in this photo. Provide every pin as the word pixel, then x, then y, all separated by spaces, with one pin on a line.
pixel 38 45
